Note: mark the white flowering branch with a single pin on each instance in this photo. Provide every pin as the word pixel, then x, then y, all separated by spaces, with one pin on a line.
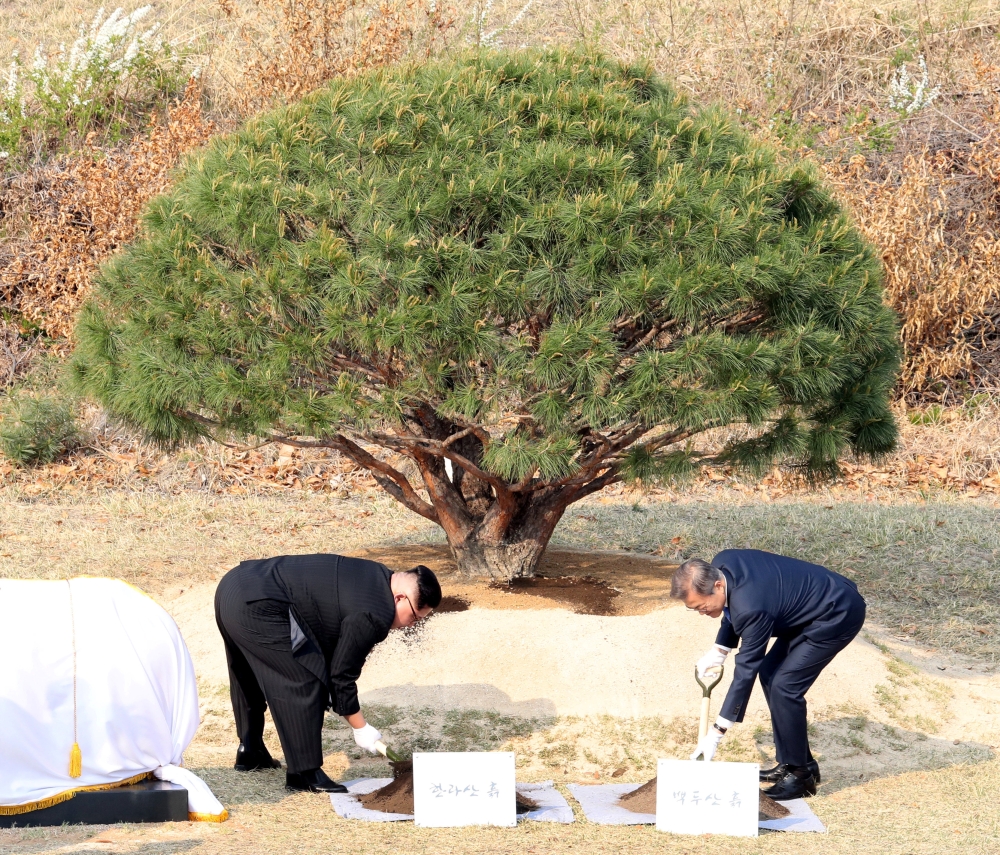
pixel 908 95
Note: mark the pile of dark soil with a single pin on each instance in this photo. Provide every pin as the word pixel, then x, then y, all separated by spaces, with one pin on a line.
pixel 770 809
pixel 397 796
pixel 587 595
pixel 643 800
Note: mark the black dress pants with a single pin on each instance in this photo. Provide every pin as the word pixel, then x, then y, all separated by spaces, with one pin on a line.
pixel 263 672
pixel 789 669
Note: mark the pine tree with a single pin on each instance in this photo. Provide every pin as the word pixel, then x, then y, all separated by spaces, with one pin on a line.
pixel 533 275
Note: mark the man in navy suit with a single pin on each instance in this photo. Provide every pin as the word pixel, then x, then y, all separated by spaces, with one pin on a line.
pixel 811 612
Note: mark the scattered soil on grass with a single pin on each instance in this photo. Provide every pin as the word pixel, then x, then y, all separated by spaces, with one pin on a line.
pixel 643 800
pixel 638 584
pixel 397 795
pixel 587 595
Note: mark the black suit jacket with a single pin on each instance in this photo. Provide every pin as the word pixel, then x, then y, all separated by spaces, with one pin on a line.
pixel 771 596
pixel 343 607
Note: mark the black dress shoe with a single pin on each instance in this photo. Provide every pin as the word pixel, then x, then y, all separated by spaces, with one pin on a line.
pixel 312 781
pixel 792 786
pixel 250 759
pixel 776 773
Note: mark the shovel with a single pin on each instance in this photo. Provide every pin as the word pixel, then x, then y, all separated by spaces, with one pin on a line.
pixel 706 697
pixel 389 754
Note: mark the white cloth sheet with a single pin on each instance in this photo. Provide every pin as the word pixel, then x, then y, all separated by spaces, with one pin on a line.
pixel 802 819
pixel 136 696
pixel 347 805
pixel 600 805
pixel 552 807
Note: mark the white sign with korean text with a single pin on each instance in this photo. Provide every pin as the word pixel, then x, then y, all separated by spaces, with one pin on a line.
pixel 452 788
pixel 695 797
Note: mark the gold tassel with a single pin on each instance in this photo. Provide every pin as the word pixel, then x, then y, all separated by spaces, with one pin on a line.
pixel 75 755
pixel 75 761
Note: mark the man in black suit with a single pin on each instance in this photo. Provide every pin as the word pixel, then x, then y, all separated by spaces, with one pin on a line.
pixel 297 631
pixel 811 612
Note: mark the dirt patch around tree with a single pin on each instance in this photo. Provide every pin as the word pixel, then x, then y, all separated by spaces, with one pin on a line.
pixel 587 596
pixel 643 800
pixel 397 795
pixel 637 584
pixel 452 604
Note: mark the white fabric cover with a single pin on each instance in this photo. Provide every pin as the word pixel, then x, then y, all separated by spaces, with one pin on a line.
pixel 137 699
pixel 202 803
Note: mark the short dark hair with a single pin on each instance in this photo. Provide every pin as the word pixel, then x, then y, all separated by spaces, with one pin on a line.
pixel 694 574
pixel 428 587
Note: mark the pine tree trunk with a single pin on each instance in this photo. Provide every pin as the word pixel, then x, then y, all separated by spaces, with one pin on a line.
pixel 500 562
pixel 514 550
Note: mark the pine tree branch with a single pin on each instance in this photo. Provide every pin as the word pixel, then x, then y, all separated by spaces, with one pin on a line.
pixel 347 364
pixel 612 476
pixel 456 437
pixel 439 449
pixel 478 431
pixel 394 482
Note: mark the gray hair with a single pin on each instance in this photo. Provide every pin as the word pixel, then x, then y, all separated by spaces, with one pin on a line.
pixel 694 575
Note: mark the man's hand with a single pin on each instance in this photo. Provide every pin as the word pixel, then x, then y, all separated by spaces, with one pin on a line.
pixel 366 737
pixel 708 744
pixel 715 658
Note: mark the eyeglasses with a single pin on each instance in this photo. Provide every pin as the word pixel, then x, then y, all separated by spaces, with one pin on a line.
pixel 416 618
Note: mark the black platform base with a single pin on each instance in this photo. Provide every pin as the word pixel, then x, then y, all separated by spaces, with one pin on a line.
pixel 148 801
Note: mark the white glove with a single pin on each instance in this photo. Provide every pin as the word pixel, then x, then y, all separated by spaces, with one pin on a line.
pixel 715 658
pixel 366 737
pixel 707 745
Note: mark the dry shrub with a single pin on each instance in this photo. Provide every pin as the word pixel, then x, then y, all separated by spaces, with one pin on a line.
pixel 784 58
pixel 292 47
pixel 71 214
pixel 936 219
pixel 16 352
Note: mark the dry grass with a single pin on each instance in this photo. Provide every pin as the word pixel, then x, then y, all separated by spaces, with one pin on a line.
pixel 936 219
pixel 918 813
pixel 928 569
pixel 772 57
pixel 68 216
pixel 291 47
pixel 929 796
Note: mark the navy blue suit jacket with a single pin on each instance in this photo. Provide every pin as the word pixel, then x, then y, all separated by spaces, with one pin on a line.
pixel 771 596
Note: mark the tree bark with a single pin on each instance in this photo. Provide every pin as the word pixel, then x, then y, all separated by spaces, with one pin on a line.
pixel 501 562
pixel 509 545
